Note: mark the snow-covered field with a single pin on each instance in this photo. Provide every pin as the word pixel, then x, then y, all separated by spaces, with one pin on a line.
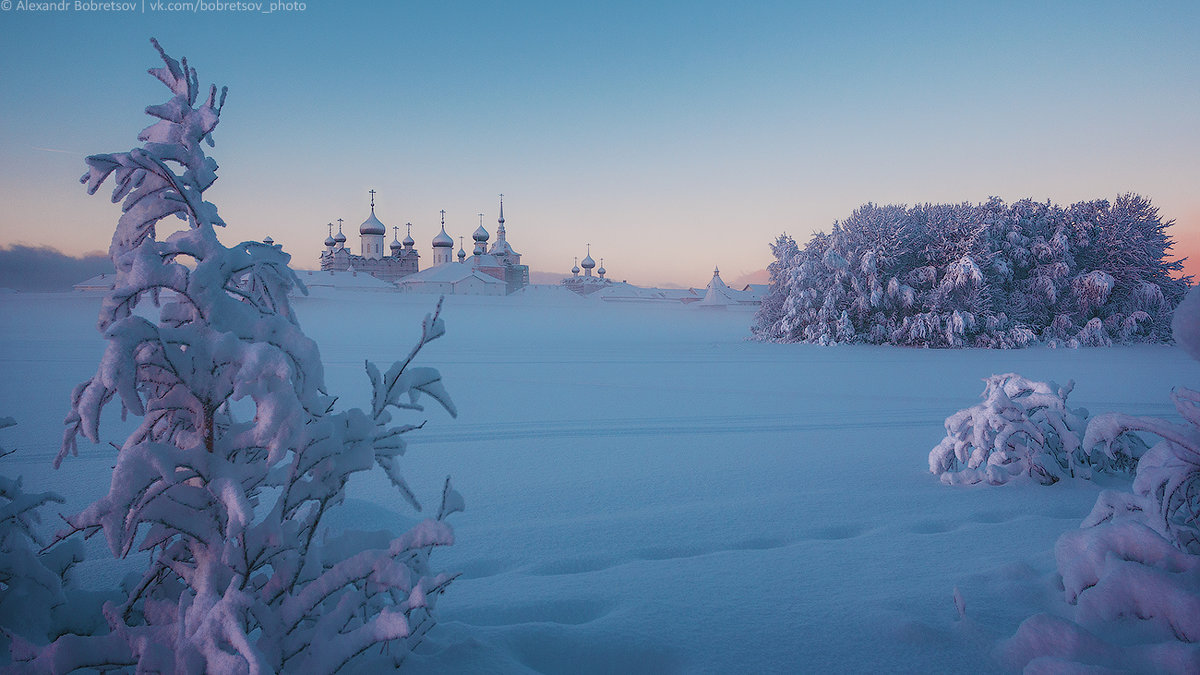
pixel 648 492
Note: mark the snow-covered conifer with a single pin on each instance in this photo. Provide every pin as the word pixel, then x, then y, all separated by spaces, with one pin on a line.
pixel 771 312
pixel 240 454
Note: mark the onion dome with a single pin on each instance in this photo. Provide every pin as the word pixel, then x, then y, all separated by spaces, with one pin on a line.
pixel 408 240
pixel 396 247
pixel 443 240
pixel 588 263
pixel 481 235
pixel 329 242
pixel 372 225
pixel 339 237
pixel 601 271
pixel 462 254
pixel 575 269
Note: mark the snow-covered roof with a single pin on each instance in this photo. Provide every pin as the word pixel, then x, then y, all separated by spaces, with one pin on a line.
pixel 626 292
pixel 343 279
pixel 485 260
pixel 100 282
pixel 549 292
pixel 678 293
pixel 447 273
pixel 502 247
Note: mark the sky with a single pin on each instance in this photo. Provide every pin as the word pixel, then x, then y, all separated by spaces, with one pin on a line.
pixel 671 136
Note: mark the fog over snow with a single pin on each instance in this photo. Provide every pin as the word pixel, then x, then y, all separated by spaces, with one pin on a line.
pixel 647 491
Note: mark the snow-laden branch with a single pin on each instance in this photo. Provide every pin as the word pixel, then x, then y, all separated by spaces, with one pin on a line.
pixel 244 576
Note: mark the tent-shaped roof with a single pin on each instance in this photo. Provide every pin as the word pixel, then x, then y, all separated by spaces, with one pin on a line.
pixel 100 282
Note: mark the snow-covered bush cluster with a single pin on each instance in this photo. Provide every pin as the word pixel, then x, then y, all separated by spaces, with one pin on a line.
pixel 31 577
pixel 986 275
pixel 1131 572
pixel 240 454
pixel 1023 428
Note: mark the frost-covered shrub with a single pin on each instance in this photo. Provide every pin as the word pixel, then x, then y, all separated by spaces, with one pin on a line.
pixel 986 275
pixel 1021 428
pixel 31 576
pixel 1024 428
pixel 1133 566
pixel 239 455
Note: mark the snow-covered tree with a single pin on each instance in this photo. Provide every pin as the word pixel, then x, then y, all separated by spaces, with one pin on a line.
pixel 31 576
pixel 240 454
pixel 771 312
pixel 1131 572
pixel 988 275
pixel 1021 428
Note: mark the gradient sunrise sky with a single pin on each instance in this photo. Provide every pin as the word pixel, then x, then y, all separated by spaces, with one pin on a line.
pixel 672 137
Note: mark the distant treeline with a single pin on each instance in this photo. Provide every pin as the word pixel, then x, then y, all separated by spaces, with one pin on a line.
pixel 985 275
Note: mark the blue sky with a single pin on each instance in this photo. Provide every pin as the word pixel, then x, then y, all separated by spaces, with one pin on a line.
pixel 671 136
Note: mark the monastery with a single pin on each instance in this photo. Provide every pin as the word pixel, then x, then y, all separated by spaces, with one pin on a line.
pixel 490 270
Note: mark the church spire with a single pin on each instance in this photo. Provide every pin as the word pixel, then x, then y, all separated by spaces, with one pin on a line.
pixel 501 242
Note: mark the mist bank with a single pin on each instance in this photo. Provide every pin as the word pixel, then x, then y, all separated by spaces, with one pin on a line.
pixel 42 268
